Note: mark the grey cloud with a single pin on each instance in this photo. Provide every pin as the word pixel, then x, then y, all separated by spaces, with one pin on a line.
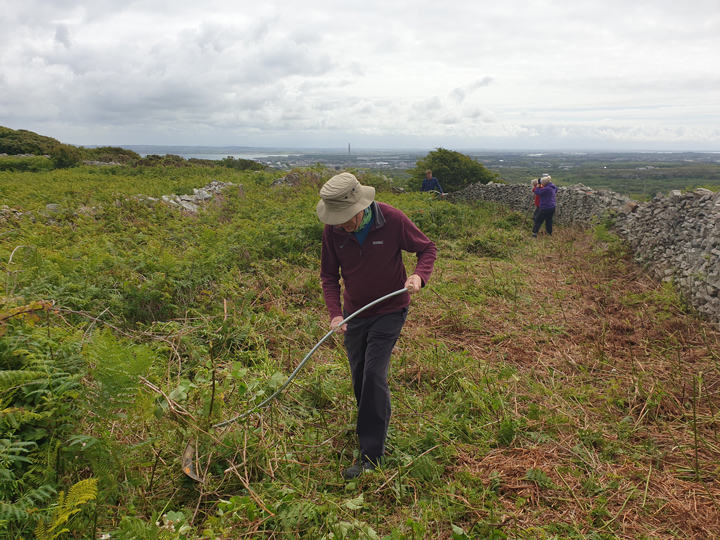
pixel 285 59
pixel 357 69
pixel 474 114
pixel 40 13
pixel 450 120
pixel 485 81
pixel 459 94
pixel 364 108
pixel 431 104
pixel 258 31
pixel 304 36
pixel 62 36
pixel 198 68
pixel 214 37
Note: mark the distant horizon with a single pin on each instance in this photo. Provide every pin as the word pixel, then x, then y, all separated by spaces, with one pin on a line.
pixel 219 149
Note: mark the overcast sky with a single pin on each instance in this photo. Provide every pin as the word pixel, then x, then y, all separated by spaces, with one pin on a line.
pixel 458 74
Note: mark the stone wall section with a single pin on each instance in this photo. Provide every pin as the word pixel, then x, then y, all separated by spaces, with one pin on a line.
pixel 576 204
pixel 676 237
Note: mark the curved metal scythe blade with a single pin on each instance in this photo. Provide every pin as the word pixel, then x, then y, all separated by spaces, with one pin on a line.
pixel 188 462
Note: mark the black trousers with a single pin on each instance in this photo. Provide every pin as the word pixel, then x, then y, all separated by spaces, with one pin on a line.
pixel 369 343
pixel 546 215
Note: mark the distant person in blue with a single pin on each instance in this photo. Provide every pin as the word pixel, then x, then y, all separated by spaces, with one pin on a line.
pixel 546 209
pixel 431 183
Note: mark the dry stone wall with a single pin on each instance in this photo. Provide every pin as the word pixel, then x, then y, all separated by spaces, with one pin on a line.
pixel 676 237
pixel 576 204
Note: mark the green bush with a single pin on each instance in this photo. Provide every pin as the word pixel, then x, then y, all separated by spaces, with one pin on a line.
pixel 241 164
pixel 65 156
pixel 110 154
pixel 22 141
pixel 25 164
pixel 454 170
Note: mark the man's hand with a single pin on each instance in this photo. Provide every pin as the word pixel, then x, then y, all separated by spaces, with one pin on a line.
pixel 413 284
pixel 335 325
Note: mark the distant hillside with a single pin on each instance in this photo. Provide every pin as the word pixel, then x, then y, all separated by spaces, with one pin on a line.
pixel 22 141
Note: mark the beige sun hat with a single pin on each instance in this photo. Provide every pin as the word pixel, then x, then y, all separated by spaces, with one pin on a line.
pixel 342 197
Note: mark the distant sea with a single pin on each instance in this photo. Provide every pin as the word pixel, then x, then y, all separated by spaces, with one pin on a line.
pixel 208 152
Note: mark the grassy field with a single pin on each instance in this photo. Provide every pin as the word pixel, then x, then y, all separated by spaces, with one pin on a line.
pixel 541 388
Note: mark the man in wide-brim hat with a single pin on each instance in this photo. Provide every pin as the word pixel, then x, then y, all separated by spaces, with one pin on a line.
pixel 363 241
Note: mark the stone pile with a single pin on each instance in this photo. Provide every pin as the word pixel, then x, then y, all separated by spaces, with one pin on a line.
pixel 192 203
pixel 9 214
pixel 101 163
pixel 189 203
pixel 677 238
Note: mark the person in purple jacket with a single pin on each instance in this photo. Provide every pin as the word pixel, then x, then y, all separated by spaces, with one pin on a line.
pixel 546 192
pixel 362 244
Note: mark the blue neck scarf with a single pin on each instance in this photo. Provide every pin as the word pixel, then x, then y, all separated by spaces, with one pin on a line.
pixel 364 228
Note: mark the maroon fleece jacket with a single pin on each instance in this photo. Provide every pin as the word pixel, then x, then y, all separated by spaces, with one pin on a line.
pixel 376 268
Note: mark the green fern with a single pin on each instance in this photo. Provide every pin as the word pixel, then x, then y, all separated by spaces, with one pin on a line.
pixel 14 513
pixel 14 417
pixel 55 383
pixel 132 528
pixel 20 510
pixel 79 494
pixel 118 367
pixel 11 379
pixel 101 456
pixel 12 452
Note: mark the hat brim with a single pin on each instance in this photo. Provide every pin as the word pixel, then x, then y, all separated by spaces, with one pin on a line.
pixel 338 217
